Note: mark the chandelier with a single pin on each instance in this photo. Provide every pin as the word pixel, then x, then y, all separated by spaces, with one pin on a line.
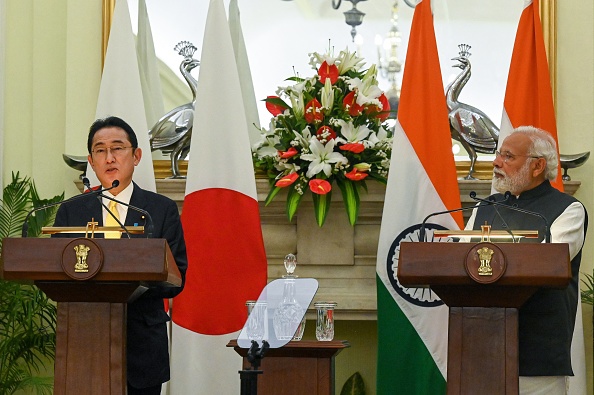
pixel 352 17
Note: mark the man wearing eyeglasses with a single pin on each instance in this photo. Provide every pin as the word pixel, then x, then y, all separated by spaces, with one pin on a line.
pixel 524 166
pixel 113 155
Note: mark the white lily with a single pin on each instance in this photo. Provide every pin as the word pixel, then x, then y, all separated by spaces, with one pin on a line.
pixel 363 166
pixel 367 89
pixel 377 138
pixel 351 133
pixel 349 61
pixel 265 146
pixel 297 103
pixel 316 60
pixel 303 137
pixel 321 157
pixel 291 167
pixel 327 96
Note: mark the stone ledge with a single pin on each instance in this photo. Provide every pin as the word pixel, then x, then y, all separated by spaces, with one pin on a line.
pixel 342 258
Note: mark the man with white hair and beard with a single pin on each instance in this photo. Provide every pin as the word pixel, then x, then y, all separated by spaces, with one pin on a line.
pixel 524 166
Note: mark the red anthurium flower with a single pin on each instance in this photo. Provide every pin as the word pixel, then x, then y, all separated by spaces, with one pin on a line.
pixel 275 109
pixel 313 111
pixel 356 175
pixel 288 153
pixel 319 186
pixel 356 148
pixel 287 180
pixel 385 108
pixel 328 71
pixel 383 113
pixel 331 134
pixel 350 102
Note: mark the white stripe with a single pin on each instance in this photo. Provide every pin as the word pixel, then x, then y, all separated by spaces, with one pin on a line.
pixel 410 197
pixel 202 364
pixel 221 155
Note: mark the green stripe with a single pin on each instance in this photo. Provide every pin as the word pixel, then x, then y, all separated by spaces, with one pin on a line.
pixel 404 365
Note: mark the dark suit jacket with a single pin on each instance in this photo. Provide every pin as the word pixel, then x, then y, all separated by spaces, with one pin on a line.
pixel 546 321
pixel 147 348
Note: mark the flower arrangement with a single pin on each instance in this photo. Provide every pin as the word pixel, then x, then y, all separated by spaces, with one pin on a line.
pixel 327 129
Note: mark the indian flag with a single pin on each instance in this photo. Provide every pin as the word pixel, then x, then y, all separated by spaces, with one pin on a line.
pixel 529 101
pixel 413 323
pixel 528 95
pixel 221 220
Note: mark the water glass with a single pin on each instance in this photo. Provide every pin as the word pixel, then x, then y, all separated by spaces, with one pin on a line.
pixel 256 323
pixel 325 320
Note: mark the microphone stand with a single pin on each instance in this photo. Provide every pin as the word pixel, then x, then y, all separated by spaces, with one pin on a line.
pixel 249 377
pixel 422 230
pixel 521 210
pixel 149 227
pixel 25 227
pixel 87 184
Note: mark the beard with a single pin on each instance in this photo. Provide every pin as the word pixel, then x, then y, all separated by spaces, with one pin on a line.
pixel 515 183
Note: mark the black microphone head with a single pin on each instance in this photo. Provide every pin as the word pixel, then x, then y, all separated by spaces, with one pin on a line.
pixel 472 194
pixel 507 195
pixel 115 183
pixel 86 182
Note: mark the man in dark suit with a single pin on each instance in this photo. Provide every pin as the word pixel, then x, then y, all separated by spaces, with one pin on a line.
pixel 113 154
pixel 524 166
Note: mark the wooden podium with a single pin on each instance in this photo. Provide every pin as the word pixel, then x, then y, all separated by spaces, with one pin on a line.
pixel 483 321
pixel 297 368
pixel 91 328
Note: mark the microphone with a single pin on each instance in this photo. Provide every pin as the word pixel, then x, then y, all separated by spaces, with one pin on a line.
pixel 422 230
pixel 507 196
pixel 87 184
pixel 25 228
pixel 514 208
pixel 149 219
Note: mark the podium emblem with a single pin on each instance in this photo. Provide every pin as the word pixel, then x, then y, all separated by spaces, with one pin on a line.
pixel 485 263
pixel 485 254
pixel 82 259
pixel 82 251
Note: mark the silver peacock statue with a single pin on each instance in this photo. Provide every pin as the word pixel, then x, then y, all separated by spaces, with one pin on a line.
pixel 469 125
pixel 475 130
pixel 172 133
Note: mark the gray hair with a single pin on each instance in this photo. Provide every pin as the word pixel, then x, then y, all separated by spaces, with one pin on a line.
pixel 544 146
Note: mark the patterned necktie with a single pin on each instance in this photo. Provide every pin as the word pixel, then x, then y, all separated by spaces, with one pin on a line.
pixel 111 221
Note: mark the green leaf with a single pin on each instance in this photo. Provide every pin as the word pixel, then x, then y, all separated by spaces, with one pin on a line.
pixel 277 101
pixel 588 290
pixel 27 315
pixel 293 200
pixel 14 205
pixel 43 217
pixel 354 385
pixel 350 196
pixel 271 195
pixel 321 206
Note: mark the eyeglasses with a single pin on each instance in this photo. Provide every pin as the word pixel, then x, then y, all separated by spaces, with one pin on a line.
pixel 509 157
pixel 117 151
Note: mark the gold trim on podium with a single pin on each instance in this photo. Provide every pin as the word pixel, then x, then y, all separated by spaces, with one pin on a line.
pixel 52 230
